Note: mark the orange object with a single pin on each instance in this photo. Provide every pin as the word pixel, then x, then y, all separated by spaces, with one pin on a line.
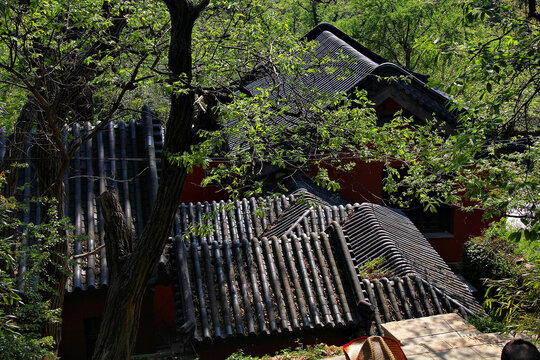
pixel 374 348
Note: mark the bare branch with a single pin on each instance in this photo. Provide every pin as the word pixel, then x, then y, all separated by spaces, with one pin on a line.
pixel 95 251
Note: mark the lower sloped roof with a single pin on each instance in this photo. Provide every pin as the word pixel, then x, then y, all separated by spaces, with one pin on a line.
pixel 376 231
pixel 300 270
pixel 408 297
pixel 241 288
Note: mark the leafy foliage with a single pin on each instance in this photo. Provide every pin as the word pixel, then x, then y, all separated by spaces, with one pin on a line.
pixel 24 254
pixel 71 59
pixel 516 301
pixel 487 324
pixel 393 28
pixel 488 258
pixel 309 352
pixel 508 274
pixel 491 161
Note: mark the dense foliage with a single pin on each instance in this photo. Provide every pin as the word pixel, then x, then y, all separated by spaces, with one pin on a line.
pixel 24 254
pixel 488 257
pixel 506 273
pixel 515 301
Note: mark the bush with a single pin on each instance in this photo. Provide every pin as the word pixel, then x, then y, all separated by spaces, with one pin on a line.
pixel 488 258
pixel 487 324
pixel 515 301
pixel 508 273
pixel 373 269
pixel 23 311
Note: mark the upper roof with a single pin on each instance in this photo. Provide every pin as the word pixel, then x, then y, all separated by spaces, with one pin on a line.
pixel 355 67
pixel 369 71
pixel 358 67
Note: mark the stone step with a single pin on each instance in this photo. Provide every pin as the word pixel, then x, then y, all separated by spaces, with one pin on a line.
pixel 445 336
pixel 484 346
pixel 438 328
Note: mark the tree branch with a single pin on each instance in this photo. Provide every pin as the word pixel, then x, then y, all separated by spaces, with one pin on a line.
pixel 201 5
pixel 95 251
pixel 532 10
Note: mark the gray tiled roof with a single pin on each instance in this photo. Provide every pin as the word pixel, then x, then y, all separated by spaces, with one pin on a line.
pixel 355 67
pixel 376 231
pixel 125 156
pixel 367 69
pixel 240 269
pixel 298 213
pixel 240 288
pixel 408 297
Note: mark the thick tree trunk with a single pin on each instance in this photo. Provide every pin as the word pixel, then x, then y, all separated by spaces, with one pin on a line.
pixel 532 10
pixel 130 273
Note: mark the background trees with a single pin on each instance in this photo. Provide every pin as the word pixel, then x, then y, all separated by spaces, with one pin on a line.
pixel 499 90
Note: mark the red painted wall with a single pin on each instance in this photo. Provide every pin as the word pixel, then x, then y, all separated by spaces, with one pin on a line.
pixel 465 226
pixel 193 191
pixel 364 184
pixel 164 315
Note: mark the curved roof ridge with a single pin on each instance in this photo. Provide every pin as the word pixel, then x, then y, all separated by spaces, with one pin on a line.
pixel 363 228
pixel 418 256
pixel 313 33
pixel 326 36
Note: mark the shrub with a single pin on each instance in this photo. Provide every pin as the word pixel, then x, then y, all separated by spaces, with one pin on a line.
pixel 488 258
pixel 23 311
pixel 515 301
pixel 373 269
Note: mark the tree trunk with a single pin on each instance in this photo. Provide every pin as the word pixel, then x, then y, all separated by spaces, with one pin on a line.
pixel 130 273
pixel 532 10
pixel 407 50
pixel 314 13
